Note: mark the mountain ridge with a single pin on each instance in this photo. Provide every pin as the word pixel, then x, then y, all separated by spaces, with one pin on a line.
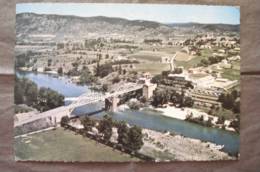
pixel 78 26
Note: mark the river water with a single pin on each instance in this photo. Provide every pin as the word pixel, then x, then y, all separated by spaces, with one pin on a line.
pixel 144 118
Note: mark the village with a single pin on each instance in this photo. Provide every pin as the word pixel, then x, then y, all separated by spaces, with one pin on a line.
pixel 203 81
pixel 169 93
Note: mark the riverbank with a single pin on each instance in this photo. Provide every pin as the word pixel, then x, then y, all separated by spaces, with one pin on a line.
pixel 177 147
pixel 144 117
pixel 166 146
pixel 186 113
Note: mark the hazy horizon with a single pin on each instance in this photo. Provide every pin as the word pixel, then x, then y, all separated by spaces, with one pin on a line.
pixel 161 13
pixel 130 19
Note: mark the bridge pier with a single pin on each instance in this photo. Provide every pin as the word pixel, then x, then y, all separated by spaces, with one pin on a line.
pixel 111 103
pixel 53 120
pixel 148 90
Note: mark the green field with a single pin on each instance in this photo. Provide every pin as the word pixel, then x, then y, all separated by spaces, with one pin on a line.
pixel 196 60
pixel 153 68
pixel 191 63
pixel 231 74
pixel 146 57
pixel 64 145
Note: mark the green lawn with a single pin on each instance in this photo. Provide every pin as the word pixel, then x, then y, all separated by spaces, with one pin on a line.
pixel 65 145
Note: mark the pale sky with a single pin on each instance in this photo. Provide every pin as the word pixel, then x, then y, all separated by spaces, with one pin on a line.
pixel 154 12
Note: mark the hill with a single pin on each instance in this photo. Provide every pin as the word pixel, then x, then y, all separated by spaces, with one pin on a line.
pixel 31 23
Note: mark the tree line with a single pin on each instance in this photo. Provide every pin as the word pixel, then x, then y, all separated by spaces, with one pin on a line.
pixel 230 101
pixel 43 99
pixel 210 60
pixel 128 137
pixel 163 96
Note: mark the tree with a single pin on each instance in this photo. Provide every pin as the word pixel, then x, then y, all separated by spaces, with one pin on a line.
pixel 236 108
pixel 157 79
pixel 26 92
pixel 18 93
pixel 75 64
pixel 64 121
pixel 105 127
pixel 209 122
pixel 103 70
pixel 235 94
pixel 221 120
pixel 60 71
pixel 181 97
pixel 175 97
pixel 31 92
pixel 49 62
pixel 188 102
pixel 116 80
pixel 229 101
pixel 134 105
pixel 204 62
pixel 73 72
pixel 49 99
pixel 21 60
pixel 104 87
pixel 143 99
pixel 54 99
pixel 123 132
pixel 86 77
pixel 87 123
pixel 160 97
pixel 120 70
pixel 135 138
pixel 235 123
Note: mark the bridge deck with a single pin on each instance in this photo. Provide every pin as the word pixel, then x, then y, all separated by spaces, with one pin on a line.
pixel 84 99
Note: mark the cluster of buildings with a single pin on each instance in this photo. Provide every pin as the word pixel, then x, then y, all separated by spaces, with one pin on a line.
pixel 70 45
pixel 224 44
pixel 204 91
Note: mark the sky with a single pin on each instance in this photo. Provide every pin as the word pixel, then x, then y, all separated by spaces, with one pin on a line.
pixel 163 13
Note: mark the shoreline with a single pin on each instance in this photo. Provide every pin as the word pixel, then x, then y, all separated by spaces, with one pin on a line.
pixel 183 113
pixel 182 148
pixel 166 146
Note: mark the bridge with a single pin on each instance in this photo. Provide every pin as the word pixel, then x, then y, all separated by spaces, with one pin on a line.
pixel 55 115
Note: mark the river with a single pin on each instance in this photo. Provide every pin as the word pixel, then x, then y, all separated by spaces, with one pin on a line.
pixel 144 118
